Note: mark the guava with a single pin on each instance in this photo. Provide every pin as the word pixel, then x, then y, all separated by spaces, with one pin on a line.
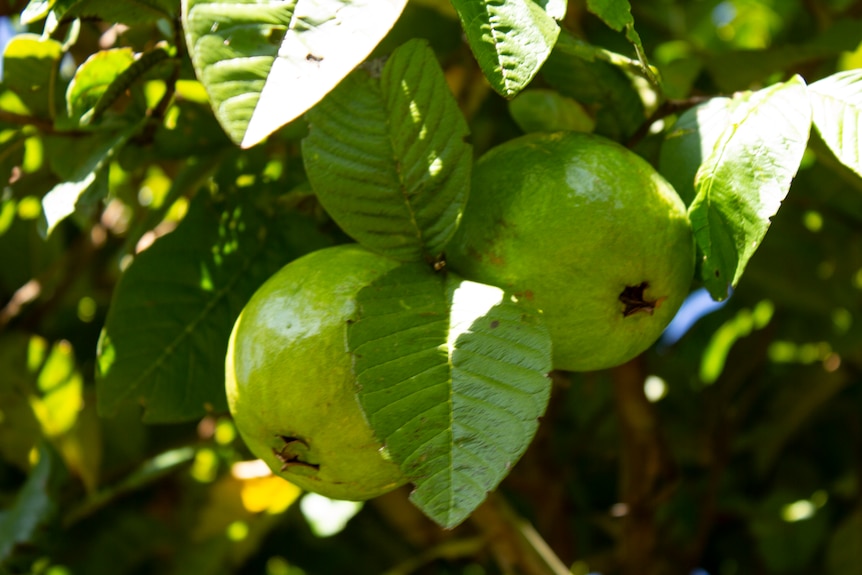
pixel 589 232
pixel 290 382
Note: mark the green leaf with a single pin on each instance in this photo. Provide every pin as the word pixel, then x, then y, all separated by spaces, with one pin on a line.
pixel 129 12
pixel 388 159
pixel 617 14
pixel 92 79
pixel 167 328
pixel 104 77
pixel 836 103
pixel 576 70
pixel 264 63
pixel 691 141
pixel 20 430
pixel 30 69
pixel 511 39
pixel 452 378
pixel 541 110
pixel 35 505
pixel 59 203
pixel 745 177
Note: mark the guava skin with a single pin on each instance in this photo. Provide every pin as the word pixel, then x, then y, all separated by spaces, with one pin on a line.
pixel 586 229
pixel 290 382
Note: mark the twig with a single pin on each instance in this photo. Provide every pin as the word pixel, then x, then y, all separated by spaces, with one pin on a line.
pixel 41 124
pixel 667 108
pixel 514 542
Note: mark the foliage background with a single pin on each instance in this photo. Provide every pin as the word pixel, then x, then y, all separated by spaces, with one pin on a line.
pixel 732 446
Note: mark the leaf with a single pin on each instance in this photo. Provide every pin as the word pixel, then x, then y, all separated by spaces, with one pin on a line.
pixel 59 203
pixel 741 184
pixel 388 158
pixel 104 77
pixel 34 507
pixel 172 311
pixel 452 378
pixel 30 69
pixel 20 431
pixel 265 63
pixel 129 12
pixel 575 71
pixel 92 79
pixel 511 39
pixel 836 105
pixel 617 14
pixel 690 142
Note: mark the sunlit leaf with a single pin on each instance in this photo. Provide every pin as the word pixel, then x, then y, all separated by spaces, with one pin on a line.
pixel 691 141
pixel 452 378
pixel 511 39
pixel 388 159
pixel 836 103
pixel 30 69
pixel 741 184
pixel 93 77
pixel 264 63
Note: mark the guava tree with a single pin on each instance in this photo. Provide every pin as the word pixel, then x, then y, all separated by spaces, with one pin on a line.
pixel 256 251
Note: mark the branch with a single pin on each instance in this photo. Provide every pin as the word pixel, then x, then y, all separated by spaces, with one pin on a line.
pixel 41 124
pixel 647 476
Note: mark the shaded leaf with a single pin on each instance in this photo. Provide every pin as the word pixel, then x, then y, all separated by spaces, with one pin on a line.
pixel 618 15
pixel 511 39
pixel 167 328
pixel 615 13
pixel 574 69
pixel 741 184
pixel 452 377
pixel 59 203
pixel 265 63
pixel 128 12
pixel 35 505
pixel 388 158
pixel 836 104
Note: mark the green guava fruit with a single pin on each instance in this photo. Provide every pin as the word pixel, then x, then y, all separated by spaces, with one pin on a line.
pixel 290 382
pixel 586 229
